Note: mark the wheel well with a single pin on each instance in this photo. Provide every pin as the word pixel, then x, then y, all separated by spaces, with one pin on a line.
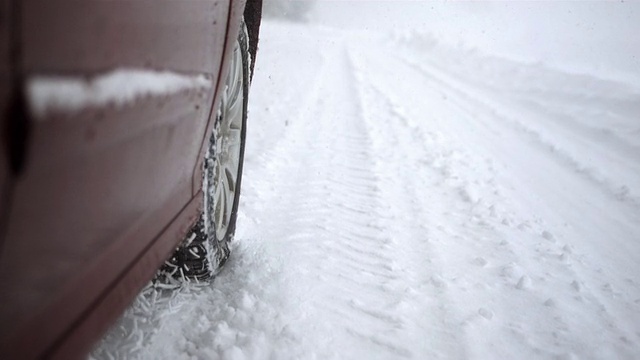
pixel 252 18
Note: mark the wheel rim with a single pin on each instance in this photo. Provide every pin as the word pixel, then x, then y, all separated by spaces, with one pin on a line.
pixel 228 138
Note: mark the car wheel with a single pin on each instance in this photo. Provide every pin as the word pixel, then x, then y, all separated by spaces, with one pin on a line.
pixel 206 247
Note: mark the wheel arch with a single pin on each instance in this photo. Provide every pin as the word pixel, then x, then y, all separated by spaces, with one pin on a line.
pixel 252 19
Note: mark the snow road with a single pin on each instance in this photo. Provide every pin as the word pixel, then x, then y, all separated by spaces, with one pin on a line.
pixel 405 199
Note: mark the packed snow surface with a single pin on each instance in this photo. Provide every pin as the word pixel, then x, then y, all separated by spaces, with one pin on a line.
pixel 403 198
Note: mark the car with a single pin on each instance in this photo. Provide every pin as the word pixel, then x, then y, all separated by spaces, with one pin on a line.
pixel 122 143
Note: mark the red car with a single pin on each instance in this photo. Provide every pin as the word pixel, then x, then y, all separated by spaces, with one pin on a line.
pixel 122 138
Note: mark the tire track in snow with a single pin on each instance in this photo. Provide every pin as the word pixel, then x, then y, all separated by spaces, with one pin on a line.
pixel 471 103
pixel 400 163
pixel 476 107
pixel 342 253
pixel 559 258
pixel 514 274
pixel 361 264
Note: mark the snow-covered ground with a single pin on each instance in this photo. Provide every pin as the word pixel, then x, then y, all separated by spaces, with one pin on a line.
pixel 403 198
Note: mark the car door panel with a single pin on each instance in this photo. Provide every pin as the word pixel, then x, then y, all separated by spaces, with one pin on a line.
pixel 103 187
pixel 5 91
pixel 71 36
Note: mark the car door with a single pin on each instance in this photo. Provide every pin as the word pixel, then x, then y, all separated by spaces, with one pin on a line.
pixel 119 94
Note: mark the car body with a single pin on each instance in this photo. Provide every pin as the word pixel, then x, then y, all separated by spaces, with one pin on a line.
pixel 107 107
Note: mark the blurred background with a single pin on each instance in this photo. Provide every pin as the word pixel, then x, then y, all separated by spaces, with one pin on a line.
pixel 580 36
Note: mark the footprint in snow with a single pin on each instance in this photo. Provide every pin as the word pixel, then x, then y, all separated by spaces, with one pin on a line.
pixel 608 288
pixel 512 271
pixel 485 313
pixel 438 282
pixel 576 285
pixel 480 262
pixel 468 195
pixel 549 236
pixel 524 283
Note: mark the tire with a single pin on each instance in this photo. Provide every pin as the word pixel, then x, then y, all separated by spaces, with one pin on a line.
pixel 206 247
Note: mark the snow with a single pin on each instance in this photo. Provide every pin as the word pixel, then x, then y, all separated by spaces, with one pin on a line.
pixel 406 197
pixel 70 94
